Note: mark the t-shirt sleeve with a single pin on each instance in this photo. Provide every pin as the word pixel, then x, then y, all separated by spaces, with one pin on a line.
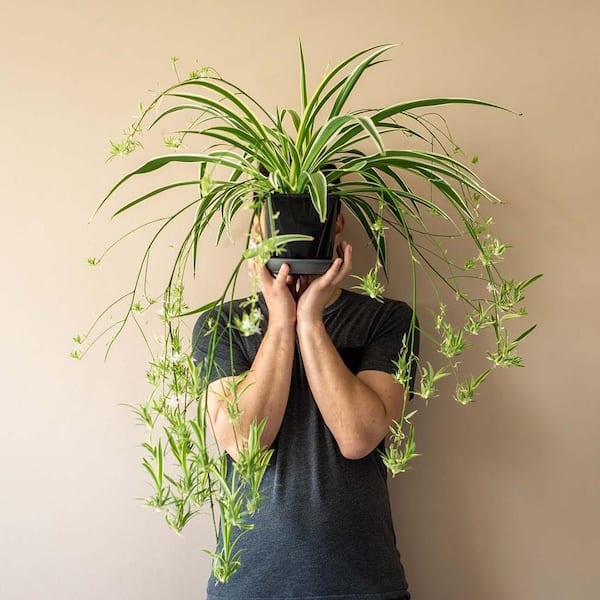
pixel 211 331
pixel 385 341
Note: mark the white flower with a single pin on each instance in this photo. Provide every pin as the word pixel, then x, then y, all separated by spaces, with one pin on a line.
pixel 249 324
pixel 172 401
pixel 176 357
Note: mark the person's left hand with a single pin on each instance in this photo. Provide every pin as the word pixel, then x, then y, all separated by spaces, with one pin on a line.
pixel 314 295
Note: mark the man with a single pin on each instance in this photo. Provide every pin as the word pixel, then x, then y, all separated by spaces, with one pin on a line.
pixel 321 375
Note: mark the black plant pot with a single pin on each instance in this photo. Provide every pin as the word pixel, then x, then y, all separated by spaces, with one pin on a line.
pixel 295 214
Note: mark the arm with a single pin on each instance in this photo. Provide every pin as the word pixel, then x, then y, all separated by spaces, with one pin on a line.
pixel 358 409
pixel 264 391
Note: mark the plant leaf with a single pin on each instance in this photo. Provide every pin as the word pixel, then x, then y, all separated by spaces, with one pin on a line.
pixel 202 309
pixel 354 77
pixel 303 92
pixel 318 193
pixel 228 159
pixel 154 193
pixel 525 334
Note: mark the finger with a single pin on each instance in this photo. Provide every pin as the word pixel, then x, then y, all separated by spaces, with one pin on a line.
pixel 347 257
pixel 347 266
pixel 266 279
pixel 331 274
pixel 282 275
pixel 341 247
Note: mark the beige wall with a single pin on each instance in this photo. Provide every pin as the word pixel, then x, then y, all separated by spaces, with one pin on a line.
pixel 503 501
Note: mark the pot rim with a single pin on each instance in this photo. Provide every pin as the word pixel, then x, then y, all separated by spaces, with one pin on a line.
pixel 299 196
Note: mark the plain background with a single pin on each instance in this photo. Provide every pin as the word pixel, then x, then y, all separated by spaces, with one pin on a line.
pixel 503 503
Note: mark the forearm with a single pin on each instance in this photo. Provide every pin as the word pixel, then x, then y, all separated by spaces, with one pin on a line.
pixel 262 394
pixel 353 412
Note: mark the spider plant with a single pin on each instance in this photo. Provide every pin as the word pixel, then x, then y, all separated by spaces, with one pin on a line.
pixel 240 153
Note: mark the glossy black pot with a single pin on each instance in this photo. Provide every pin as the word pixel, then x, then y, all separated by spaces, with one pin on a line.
pixel 295 214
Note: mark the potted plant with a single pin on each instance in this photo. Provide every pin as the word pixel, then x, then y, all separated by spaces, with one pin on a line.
pixel 296 162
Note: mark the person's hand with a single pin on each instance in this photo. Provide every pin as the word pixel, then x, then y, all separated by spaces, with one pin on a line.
pixel 314 295
pixel 279 293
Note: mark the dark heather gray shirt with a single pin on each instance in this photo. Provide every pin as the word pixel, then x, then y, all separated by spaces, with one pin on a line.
pixel 324 529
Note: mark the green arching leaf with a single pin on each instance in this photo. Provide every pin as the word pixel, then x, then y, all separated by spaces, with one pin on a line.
pixel 429 171
pixel 250 117
pixel 351 136
pixel 238 91
pixel 364 214
pixel 395 109
pixel 309 114
pixel 295 117
pixel 199 219
pixel 357 166
pixel 229 208
pixel 302 182
pixel 337 126
pixel 233 136
pixel 296 161
pixel 318 193
pixel 195 235
pixel 210 107
pixel 261 130
pixel 434 157
pixel 353 79
pixel 215 108
pixel 150 470
pixel 381 252
pixel 208 215
pixel 408 159
pixel 481 378
pixel 370 128
pixel 173 445
pixel 159 462
pixel 525 334
pixel 303 92
pixel 391 195
pixel 208 207
pixel 198 430
pixel 451 194
pixel 228 159
pixel 154 193
pixel 201 309
pixel 434 208
pixel 317 110
pixel 390 126
pixel 335 146
pixel 326 133
pixel 524 284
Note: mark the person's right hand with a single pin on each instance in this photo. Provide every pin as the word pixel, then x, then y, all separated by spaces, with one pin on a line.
pixel 279 293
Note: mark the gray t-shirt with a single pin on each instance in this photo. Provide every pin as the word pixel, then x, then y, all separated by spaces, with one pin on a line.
pixel 324 530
